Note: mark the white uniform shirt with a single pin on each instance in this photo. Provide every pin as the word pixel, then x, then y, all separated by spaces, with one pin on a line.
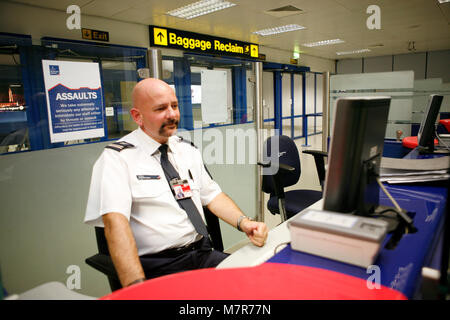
pixel 132 182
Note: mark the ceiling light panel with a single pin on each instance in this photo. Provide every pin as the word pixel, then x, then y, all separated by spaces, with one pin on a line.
pixel 323 43
pixel 276 30
pixel 352 52
pixel 200 8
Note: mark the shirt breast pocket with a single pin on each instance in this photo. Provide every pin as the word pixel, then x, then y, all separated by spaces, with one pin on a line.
pixel 149 188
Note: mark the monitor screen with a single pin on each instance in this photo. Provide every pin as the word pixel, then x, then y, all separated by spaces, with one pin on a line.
pixel 355 154
pixel 427 129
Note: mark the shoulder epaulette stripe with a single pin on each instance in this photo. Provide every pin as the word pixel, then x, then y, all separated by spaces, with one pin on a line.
pixel 187 141
pixel 119 145
pixel 206 168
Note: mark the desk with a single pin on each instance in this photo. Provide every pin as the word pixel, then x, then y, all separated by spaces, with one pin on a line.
pixel 292 275
pixel 414 154
pixel 400 268
pixel 269 281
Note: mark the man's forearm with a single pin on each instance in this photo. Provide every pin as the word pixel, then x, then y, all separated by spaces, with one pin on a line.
pixel 225 208
pixel 122 248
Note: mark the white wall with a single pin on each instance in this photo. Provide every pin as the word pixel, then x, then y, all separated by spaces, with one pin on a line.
pixel 44 196
pixel 317 64
pixel 426 65
pixel 413 61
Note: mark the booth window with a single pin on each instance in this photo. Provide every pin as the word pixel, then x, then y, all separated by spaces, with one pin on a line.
pixel 24 116
pixel 119 74
pixel 211 91
pixel 14 135
pixel 119 79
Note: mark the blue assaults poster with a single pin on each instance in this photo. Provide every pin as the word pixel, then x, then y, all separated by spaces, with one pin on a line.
pixel 74 100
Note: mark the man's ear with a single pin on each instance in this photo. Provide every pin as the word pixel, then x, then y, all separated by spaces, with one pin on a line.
pixel 136 115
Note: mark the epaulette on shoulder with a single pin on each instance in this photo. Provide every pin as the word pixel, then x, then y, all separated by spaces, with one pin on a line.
pixel 119 145
pixel 187 141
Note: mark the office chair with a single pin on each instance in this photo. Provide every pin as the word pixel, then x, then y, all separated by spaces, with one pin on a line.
pixel 102 260
pixel 287 161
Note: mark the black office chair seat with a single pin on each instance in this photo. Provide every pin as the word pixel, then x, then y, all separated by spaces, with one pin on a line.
pixel 296 201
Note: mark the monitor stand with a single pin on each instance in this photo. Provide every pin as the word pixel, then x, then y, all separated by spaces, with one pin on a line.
pixel 397 219
pixel 434 150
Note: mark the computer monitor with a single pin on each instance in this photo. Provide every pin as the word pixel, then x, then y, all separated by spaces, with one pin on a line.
pixel 427 129
pixel 355 154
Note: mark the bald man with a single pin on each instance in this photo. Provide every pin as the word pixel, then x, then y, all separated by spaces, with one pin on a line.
pixel 149 234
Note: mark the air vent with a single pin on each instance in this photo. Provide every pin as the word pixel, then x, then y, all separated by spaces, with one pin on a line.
pixel 284 11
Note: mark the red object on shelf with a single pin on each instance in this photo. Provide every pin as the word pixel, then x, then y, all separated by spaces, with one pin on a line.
pixel 412 142
pixel 445 123
pixel 269 281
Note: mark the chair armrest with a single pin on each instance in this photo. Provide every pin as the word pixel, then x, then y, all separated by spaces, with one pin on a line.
pixel 281 166
pixel 102 263
pixel 316 153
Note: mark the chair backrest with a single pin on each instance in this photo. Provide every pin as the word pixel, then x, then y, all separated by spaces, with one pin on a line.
pixel 319 160
pixel 286 153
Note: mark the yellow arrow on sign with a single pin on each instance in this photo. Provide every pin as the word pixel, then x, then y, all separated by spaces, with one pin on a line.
pixel 254 51
pixel 160 36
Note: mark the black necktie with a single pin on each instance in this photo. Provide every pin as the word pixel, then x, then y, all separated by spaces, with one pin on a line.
pixel 186 204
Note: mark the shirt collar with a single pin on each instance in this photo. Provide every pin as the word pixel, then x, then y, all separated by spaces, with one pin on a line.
pixel 152 145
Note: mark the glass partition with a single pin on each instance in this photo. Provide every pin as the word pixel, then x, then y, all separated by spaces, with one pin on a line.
pixel 268 99
pixel 298 105
pixel 228 145
pixel 409 100
pixel 119 79
pixel 422 91
pixel 398 85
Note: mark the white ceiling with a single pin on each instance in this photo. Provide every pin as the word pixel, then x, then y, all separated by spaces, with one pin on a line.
pixel 426 22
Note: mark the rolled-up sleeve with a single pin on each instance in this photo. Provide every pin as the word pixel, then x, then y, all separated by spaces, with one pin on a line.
pixel 209 189
pixel 109 189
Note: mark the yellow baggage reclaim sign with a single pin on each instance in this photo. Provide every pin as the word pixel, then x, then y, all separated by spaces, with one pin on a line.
pixel 190 41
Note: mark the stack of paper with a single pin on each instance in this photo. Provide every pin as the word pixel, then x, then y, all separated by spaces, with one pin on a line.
pixel 414 170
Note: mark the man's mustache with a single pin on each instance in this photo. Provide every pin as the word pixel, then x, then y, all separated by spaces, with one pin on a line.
pixel 169 123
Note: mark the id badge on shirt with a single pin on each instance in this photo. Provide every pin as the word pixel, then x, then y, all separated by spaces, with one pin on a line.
pixel 180 189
